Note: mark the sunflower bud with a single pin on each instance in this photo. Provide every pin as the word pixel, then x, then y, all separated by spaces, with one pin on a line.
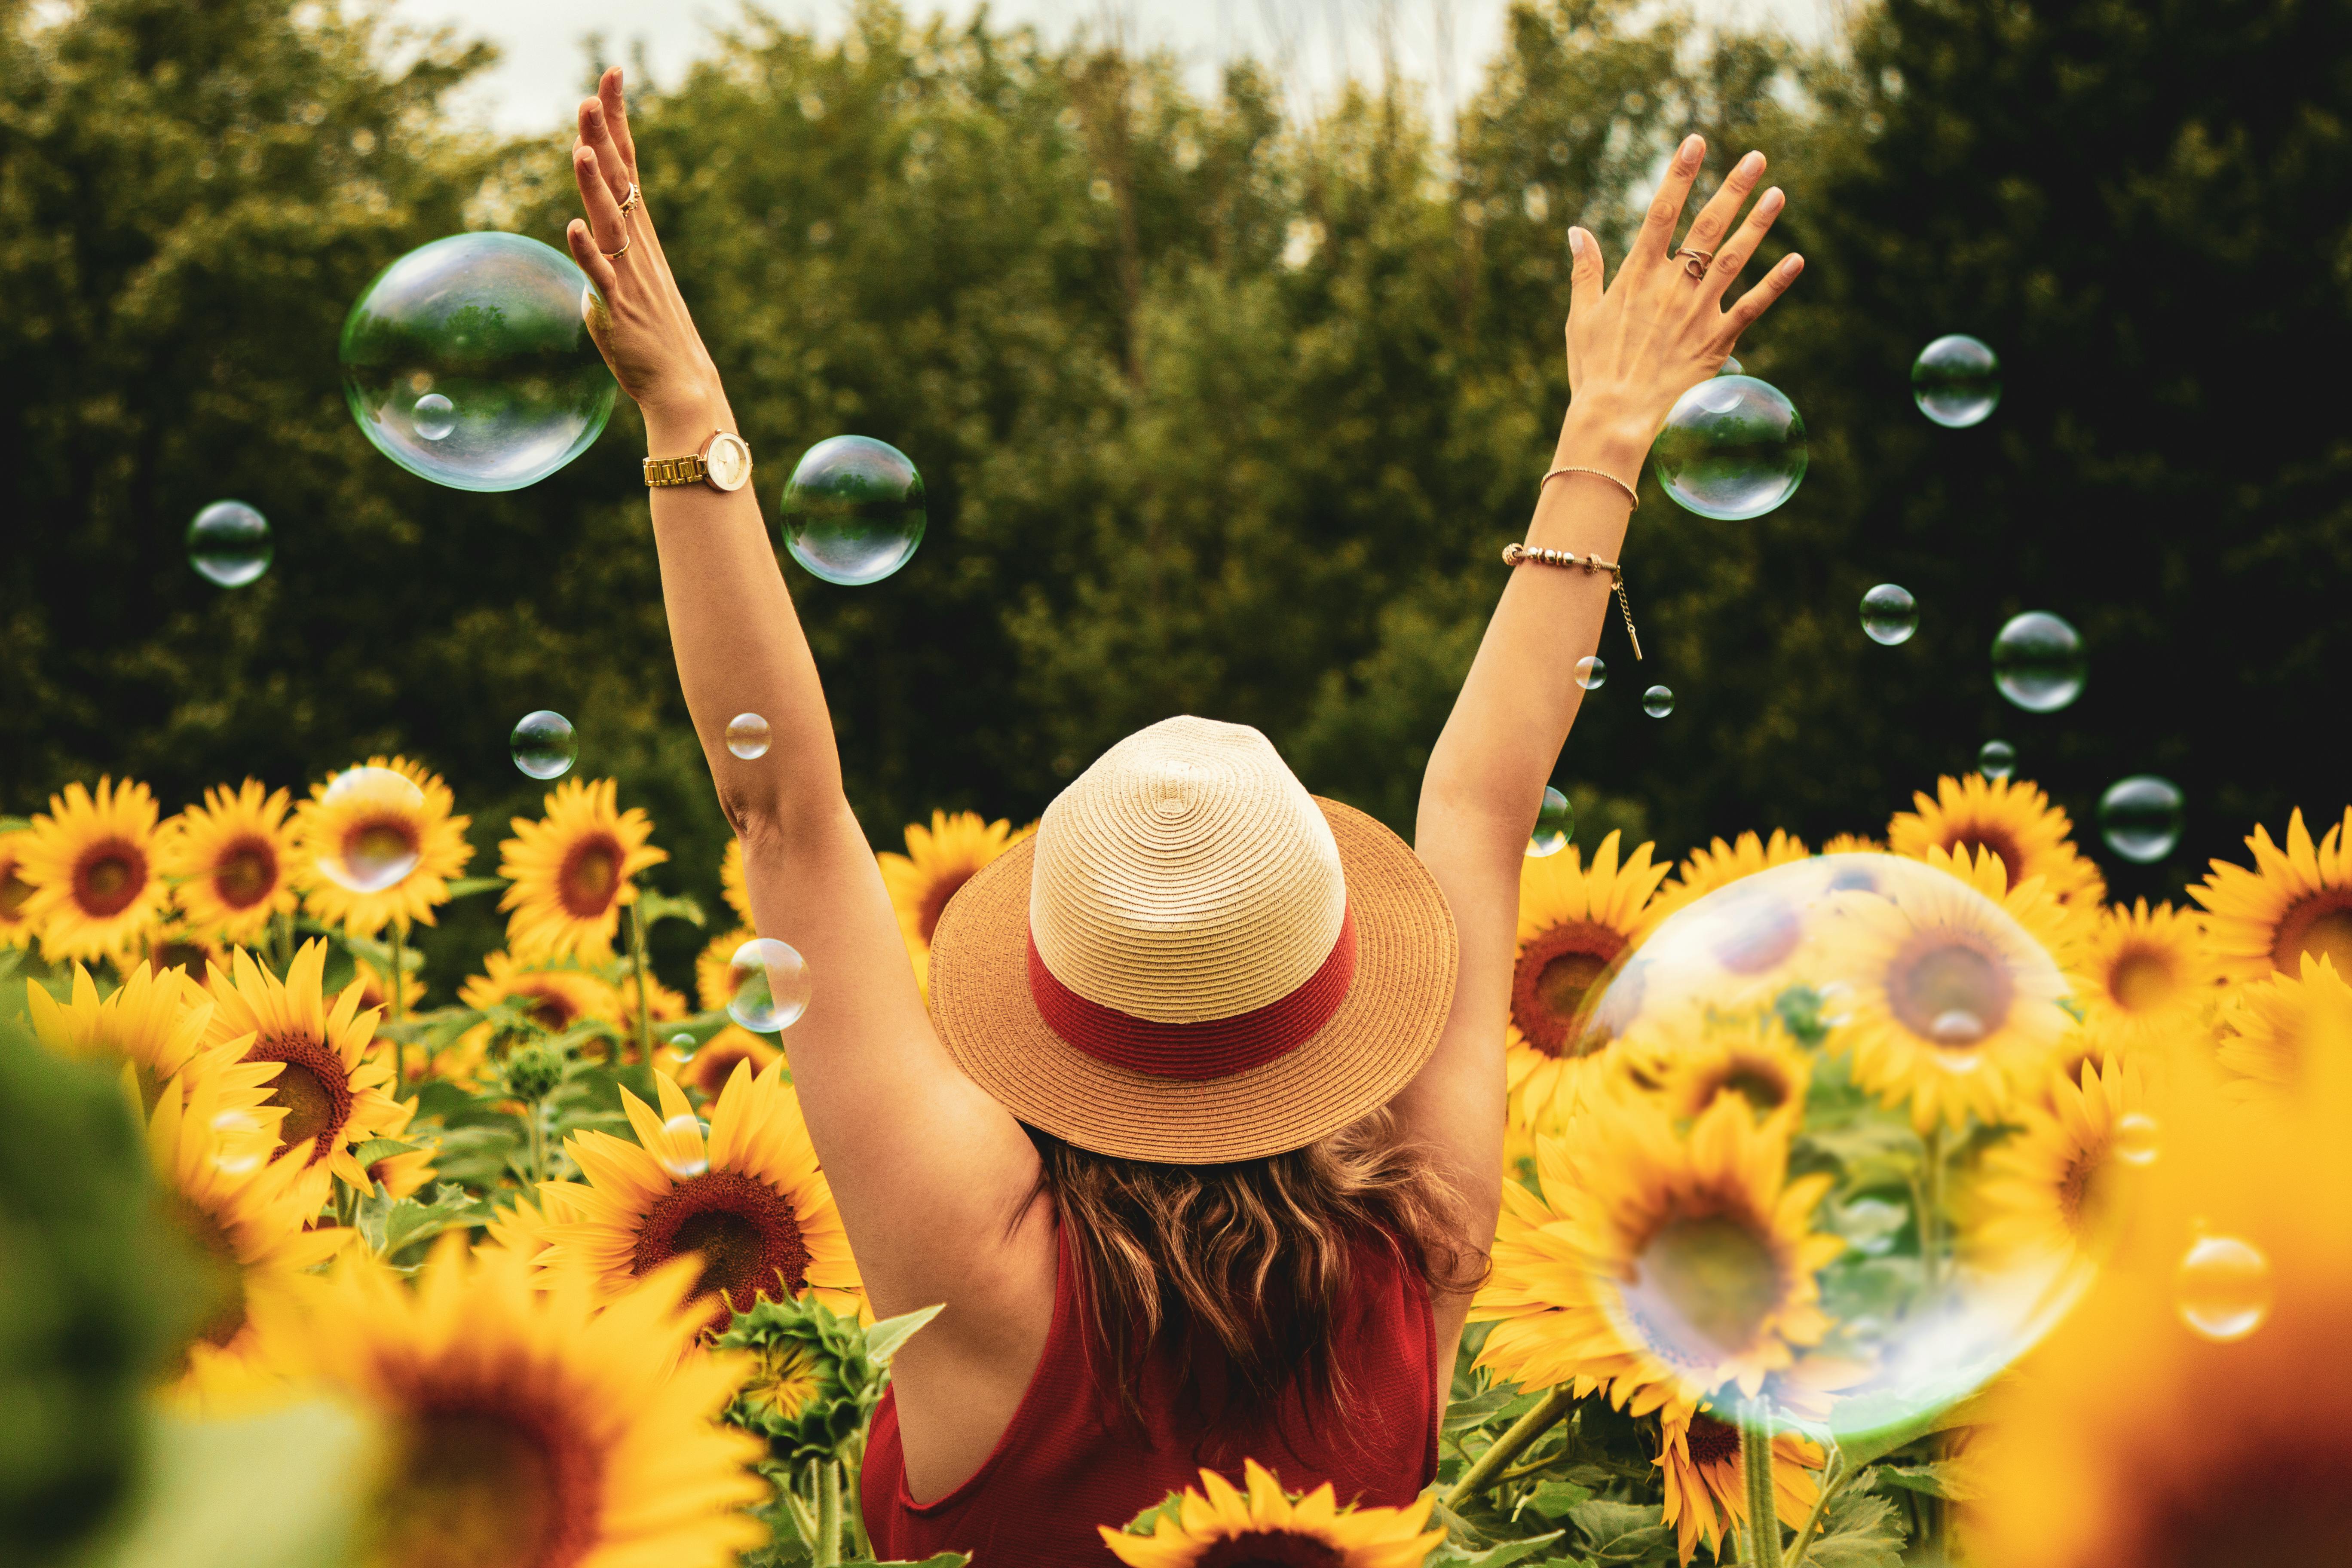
pixel 812 1382
pixel 533 1071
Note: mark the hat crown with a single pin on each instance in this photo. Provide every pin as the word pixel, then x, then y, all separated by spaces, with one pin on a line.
pixel 1187 875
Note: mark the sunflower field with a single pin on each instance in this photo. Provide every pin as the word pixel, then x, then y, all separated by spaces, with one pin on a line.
pixel 536 1265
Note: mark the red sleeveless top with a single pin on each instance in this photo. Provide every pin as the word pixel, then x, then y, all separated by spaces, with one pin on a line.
pixel 1072 1458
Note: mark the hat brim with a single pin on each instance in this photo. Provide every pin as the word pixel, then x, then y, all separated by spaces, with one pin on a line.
pixel 1406 955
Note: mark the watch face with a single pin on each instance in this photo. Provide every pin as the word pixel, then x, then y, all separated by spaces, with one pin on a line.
pixel 728 461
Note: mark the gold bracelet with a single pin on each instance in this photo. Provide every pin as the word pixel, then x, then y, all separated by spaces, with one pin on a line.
pixel 1515 553
pixel 1630 494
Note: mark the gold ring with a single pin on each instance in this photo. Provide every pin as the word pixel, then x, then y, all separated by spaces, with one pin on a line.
pixel 1695 262
pixel 631 202
pixel 616 254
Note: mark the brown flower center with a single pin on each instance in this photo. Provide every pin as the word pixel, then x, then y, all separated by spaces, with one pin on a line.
pixel 13 892
pixel 379 852
pixel 2142 980
pixel 713 1066
pixel 2012 858
pixel 1555 974
pixel 215 1297
pixel 1270 1549
pixel 2320 925
pixel 1713 1442
pixel 245 873
pixel 487 1488
pixel 1948 991
pixel 1703 1287
pixel 2082 1195
pixel 109 875
pixel 934 901
pixel 182 956
pixel 590 878
pixel 1761 1082
pixel 548 1007
pixel 749 1237
pixel 313 1085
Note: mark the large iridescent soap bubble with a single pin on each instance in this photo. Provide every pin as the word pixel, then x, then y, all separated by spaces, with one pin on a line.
pixel 469 361
pixel 1822 1163
pixel 1733 449
pixel 854 511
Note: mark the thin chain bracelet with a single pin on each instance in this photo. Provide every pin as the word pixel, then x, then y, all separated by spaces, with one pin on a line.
pixel 1631 494
pixel 1514 554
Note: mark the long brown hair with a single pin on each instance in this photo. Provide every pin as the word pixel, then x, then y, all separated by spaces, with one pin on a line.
pixel 1254 1257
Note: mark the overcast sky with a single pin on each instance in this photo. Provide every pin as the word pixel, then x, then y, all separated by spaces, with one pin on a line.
pixel 537 82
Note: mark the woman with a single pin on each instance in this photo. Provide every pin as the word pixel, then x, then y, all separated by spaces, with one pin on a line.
pixel 1199 1141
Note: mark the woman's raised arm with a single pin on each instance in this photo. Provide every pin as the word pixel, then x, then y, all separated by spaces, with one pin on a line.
pixel 1632 349
pixel 927 1169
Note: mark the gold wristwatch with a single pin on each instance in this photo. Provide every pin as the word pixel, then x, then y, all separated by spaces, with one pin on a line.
pixel 724 463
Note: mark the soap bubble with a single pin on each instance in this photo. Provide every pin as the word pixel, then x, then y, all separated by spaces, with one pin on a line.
pixel 854 511
pixel 378 841
pixel 1658 701
pixel 683 1152
pixel 2222 1288
pixel 1733 449
pixel 774 989
pixel 1996 759
pixel 1889 614
pixel 434 416
pixel 684 1045
pixel 1590 671
pixel 1730 368
pixel 2140 817
pixel 544 745
pixel 2135 1140
pixel 1864 1014
pixel 2038 662
pixel 748 736
pixel 1955 380
pixel 469 361
pixel 228 543
pixel 1555 826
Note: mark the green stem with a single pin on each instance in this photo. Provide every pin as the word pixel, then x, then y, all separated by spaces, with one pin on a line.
pixel 1832 1480
pixel 1756 1468
pixel 853 1493
pixel 645 1012
pixel 285 923
pixel 399 1011
pixel 826 1550
pixel 1510 1445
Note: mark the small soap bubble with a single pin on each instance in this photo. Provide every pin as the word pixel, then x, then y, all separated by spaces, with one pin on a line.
pixel 228 543
pixel 434 416
pixel 380 838
pixel 2038 662
pixel 1555 826
pixel 2140 817
pixel 684 1045
pixel 748 736
pixel 687 1157
pixel 1658 701
pixel 1889 614
pixel 2222 1288
pixel 774 989
pixel 2135 1138
pixel 1590 673
pixel 854 511
pixel 1733 449
pixel 1996 759
pixel 544 745
pixel 1955 380
pixel 1731 367
pixel 469 361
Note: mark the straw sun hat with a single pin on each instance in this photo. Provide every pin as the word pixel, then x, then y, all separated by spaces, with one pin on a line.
pixel 1193 959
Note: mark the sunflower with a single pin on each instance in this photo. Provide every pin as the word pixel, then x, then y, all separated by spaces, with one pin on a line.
pixel 555 997
pixel 526 1428
pixel 571 872
pixel 716 976
pixel 403 1175
pixel 705 1072
pixel 2056 1189
pixel 939 861
pixel 1853 844
pixel 377 817
pixel 1574 923
pixel 2146 974
pixel 234 860
pixel 1661 1265
pixel 1220 1525
pixel 248 1218
pixel 1720 864
pixel 1746 1057
pixel 2012 818
pixel 90 863
pixel 749 1196
pixel 172 943
pixel 376 986
pixel 2294 902
pixel 331 1087
pixel 1954 1005
pixel 16 928
pixel 1705 1492
pixel 2272 1032
pixel 520 1225
pixel 156 1024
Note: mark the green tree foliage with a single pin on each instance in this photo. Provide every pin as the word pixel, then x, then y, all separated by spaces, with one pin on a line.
pixel 1218 410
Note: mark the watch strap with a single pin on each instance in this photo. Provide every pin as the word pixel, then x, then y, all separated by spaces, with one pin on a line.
pixel 686 470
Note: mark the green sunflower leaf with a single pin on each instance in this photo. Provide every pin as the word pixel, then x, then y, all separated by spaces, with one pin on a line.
pixel 16 825
pixel 1623 1532
pixel 1863 1533
pixel 394 1227
pixel 1940 1479
pixel 375 1149
pixel 882 1339
pixel 1449 1555
pixel 653 908
pixel 1464 1415
pixel 467 887
pixel 1147 1521
pixel 1556 1500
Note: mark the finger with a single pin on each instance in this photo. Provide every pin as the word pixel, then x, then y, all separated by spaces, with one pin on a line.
pixel 617 116
pixel 1741 246
pixel 607 227
pixel 595 134
pixel 582 243
pixel 1586 274
pixel 1656 242
pixel 1714 220
pixel 1758 300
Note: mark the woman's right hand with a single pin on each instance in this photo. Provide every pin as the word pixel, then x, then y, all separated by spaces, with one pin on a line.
pixel 1639 344
pixel 640 323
